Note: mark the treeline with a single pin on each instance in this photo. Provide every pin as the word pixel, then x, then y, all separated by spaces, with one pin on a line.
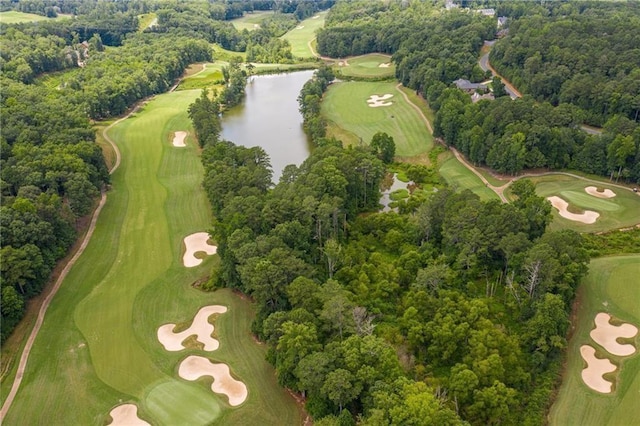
pixel 310 98
pixel 454 311
pixel 585 55
pixel 513 135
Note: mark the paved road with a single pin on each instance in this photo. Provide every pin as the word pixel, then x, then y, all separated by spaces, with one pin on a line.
pixel 486 66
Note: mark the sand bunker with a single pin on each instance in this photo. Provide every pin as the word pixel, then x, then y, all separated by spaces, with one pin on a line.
pixel 606 335
pixel 375 101
pixel 385 65
pixel 194 367
pixel 587 217
pixel 126 415
pixel 596 368
pixel 178 139
pixel 299 27
pixel 607 193
pixel 200 327
pixel 195 243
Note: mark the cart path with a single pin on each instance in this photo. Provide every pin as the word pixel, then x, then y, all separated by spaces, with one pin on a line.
pixel 26 351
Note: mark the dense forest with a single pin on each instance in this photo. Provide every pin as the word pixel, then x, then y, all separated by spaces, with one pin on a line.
pixel 453 311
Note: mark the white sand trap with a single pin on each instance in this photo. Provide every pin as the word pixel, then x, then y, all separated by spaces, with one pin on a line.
pixel 126 415
pixel 194 367
pixel 178 139
pixel 200 327
pixel 587 217
pixel 375 101
pixel 607 193
pixel 385 65
pixel 606 335
pixel 299 27
pixel 195 243
pixel 596 368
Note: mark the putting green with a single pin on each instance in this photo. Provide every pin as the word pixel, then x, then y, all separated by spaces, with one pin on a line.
pixel 373 65
pixel 98 347
pixel 621 211
pixel 182 403
pixel 611 286
pixel 346 107
pixel 300 37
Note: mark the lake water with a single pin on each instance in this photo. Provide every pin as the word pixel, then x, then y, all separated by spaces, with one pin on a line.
pixel 269 118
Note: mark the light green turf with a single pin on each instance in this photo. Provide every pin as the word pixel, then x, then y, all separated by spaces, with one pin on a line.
pixel 303 34
pixel 461 178
pixel 14 17
pixel 623 210
pixel 345 106
pixel 367 66
pixel 98 347
pixel 612 286
pixel 251 21
pixel 210 76
pixel 145 20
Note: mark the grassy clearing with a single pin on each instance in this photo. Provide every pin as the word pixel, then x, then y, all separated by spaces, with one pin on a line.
pixel 251 21
pixel 303 34
pixel 222 54
pixel 373 65
pixel 345 106
pixel 209 76
pixel 146 20
pixel 621 211
pixel 14 17
pixel 461 178
pixel 612 286
pixel 97 347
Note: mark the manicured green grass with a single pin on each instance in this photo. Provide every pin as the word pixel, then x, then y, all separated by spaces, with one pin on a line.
pixel 98 347
pixel 461 178
pixel 345 106
pixel 251 21
pixel 14 17
pixel 620 211
pixel 612 286
pixel 303 34
pixel 210 76
pixel 367 66
pixel 222 54
pixel 145 20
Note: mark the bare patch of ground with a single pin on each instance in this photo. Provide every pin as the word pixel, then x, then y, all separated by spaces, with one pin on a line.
pixel 606 193
pixel 194 367
pixel 606 335
pixel 596 369
pixel 126 415
pixel 375 101
pixel 178 139
pixel 561 205
pixel 194 243
pixel 200 327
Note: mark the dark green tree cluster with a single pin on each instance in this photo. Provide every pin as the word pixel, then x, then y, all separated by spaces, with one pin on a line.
pixel 454 311
pixel 51 174
pixel 513 135
pixel 315 126
pixel 578 53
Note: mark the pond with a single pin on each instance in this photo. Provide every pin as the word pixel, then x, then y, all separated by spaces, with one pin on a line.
pixel 269 118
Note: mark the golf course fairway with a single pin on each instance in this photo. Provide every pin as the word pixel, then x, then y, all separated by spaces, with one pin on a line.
pixel 98 348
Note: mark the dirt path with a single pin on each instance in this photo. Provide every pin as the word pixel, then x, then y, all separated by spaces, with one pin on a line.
pixel 26 351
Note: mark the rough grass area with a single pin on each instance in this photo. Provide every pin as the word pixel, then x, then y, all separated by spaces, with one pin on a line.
pixel 301 36
pixel 98 347
pixel 251 21
pixel 612 286
pixel 207 75
pixel 621 211
pixel 373 65
pixel 145 20
pixel 14 17
pixel 461 178
pixel 348 113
